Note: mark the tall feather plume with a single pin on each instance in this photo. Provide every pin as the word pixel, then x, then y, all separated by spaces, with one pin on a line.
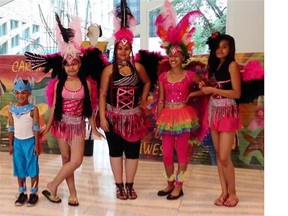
pixel 165 20
pixel 69 39
pixel 75 25
pixel 67 33
pixel 123 13
pixel 167 17
pixel 182 28
pixel 172 33
pixel 124 21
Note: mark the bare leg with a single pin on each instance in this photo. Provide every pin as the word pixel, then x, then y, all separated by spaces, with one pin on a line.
pixel 216 139
pixel 130 169
pixel 71 161
pixel 22 183
pixel 35 181
pixel 226 140
pixel 117 168
pixel 66 157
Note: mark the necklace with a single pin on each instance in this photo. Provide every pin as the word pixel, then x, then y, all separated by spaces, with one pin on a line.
pixel 122 63
pixel 72 77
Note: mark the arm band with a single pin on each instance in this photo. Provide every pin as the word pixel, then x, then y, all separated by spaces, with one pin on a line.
pixel 36 127
pixel 11 128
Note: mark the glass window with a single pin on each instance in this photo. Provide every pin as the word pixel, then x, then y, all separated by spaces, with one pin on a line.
pixel 4 48
pixel 35 28
pixel 26 33
pixel 3 29
pixel 14 24
pixel 15 41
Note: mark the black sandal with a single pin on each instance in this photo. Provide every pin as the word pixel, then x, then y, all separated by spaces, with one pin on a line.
pixel 120 191
pixel 130 191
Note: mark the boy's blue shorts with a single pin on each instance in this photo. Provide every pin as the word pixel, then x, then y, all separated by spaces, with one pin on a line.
pixel 25 161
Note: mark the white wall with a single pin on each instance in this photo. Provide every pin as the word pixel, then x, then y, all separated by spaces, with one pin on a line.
pixel 245 22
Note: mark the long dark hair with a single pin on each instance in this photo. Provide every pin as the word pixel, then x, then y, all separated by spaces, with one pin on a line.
pixel 213 61
pixel 87 107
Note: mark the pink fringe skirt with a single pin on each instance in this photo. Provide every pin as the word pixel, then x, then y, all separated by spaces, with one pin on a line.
pixel 223 115
pixel 69 127
pixel 130 124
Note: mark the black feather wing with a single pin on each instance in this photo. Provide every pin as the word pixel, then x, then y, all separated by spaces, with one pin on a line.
pixel 252 82
pixel 93 63
pixel 250 91
pixel 47 62
pixel 150 61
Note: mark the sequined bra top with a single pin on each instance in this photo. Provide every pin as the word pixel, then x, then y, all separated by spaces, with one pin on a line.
pixel 73 101
pixel 177 92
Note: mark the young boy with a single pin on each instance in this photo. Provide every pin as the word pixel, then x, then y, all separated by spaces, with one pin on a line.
pixel 23 133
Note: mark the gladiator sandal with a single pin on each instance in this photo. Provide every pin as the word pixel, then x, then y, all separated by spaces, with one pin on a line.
pixel 130 191
pixel 120 191
pixel 170 182
pixel 178 184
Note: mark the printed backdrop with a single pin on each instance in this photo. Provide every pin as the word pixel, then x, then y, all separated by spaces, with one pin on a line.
pixel 248 148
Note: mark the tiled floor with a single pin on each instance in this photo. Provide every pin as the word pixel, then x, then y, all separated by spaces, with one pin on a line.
pixel 96 191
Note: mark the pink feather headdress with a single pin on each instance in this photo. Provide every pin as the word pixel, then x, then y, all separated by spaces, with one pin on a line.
pixel 69 40
pixel 173 34
pixel 123 22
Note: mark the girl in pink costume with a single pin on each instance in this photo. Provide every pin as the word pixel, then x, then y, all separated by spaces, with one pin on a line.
pixel 176 119
pixel 70 96
pixel 223 112
pixel 123 90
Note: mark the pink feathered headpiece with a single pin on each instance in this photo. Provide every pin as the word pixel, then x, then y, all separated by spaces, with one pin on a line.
pixel 124 21
pixel 69 40
pixel 173 34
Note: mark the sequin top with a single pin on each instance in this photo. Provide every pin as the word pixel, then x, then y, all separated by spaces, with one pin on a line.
pixel 177 92
pixel 73 101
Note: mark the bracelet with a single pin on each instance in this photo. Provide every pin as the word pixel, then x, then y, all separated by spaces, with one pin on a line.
pixel 11 128
pixel 36 127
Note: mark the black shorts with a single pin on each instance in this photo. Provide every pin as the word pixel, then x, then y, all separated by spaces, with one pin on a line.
pixel 117 146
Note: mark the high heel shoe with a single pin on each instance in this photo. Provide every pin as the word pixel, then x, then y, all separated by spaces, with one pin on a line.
pixel 171 197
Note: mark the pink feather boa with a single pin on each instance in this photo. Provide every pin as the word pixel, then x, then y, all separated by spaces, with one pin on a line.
pixel 253 70
pixel 50 91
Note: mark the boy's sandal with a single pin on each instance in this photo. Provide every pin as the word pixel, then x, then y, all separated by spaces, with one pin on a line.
pixel 50 197
pixel 73 201
pixel 220 201
pixel 231 203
